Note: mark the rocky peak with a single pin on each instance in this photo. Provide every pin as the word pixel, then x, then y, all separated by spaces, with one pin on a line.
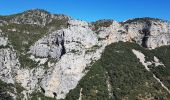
pixel 35 17
pixel 36 11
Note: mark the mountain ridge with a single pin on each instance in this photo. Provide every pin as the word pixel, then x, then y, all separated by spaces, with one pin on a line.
pixel 31 11
pixel 45 55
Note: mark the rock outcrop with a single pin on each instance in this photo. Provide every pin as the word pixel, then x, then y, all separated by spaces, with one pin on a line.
pixel 9 65
pixel 153 32
pixel 3 39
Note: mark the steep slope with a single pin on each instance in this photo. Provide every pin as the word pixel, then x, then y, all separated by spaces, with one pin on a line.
pixel 43 54
pixel 120 75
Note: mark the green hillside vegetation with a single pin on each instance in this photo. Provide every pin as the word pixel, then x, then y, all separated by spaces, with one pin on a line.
pixel 101 23
pixel 37 95
pixel 128 77
pixel 142 20
pixel 26 35
pixel 6 88
pixel 163 54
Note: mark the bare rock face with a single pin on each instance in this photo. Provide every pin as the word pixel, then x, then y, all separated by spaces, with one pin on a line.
pixel 3 39
pixel 150 33
pixel 48 46
pixel 2 23
pixel 9 65
pixel 70 68
pixel 114 33
pixel 29 79
pixel 158 41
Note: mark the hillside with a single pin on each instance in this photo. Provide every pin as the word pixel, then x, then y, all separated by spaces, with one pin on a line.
pixel 53 56
pixel 119 74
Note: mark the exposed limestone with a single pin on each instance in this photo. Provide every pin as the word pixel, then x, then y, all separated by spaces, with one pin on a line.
pixel 29 79
pixel 109 86
pixel 40 60
pixel 157 62
pixel 3 22
pixel 9 65
pixel 113 33
pixel 158 40
pixel 161 84
pixel 70 68
pixel 80 95
pixel 48 46
pixel 3 39
pixel 78 23
pixel 141 57
pixel 153 33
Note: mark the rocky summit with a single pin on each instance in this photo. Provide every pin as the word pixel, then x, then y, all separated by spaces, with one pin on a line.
pixel 46 56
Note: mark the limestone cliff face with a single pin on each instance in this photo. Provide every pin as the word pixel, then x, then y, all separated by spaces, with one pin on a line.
pixel 9 65
pixel 70 49
pixel 154 33
pixel 62 56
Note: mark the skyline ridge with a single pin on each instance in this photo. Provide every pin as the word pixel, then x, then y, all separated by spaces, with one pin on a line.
pixel 46 11
pixel 92 10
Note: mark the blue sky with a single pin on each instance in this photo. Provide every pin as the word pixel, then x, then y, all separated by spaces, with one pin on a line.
pixel 92 10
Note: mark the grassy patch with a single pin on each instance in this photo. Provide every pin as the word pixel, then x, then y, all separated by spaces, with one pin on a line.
pixel 102 23
pixel 37 95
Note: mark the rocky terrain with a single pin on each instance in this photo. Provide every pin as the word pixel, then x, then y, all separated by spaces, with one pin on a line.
pixel 48 56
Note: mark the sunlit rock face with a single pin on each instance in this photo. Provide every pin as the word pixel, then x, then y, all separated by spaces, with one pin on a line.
pixel 154 33
pixel 9 65
pixel 114 33
pixel 62 56
pixel 3 39
pixel 66 73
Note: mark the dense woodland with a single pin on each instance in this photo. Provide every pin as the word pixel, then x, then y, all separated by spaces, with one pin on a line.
pixel 127 76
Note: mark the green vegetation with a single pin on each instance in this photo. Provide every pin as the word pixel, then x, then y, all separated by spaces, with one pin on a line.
pixel 26 62
pixel 22 39
pixel 74 51
pixel 22 36
pixel 93 49
pixel 141 20
pixel 5 89
pixel 58 23
pixel 2 47
pixel 37 95
pixel 102 23
pixel 93 84
pixel 163 73
pixel 127 76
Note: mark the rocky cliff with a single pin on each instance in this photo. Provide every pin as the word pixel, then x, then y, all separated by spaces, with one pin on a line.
pixel 50 53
